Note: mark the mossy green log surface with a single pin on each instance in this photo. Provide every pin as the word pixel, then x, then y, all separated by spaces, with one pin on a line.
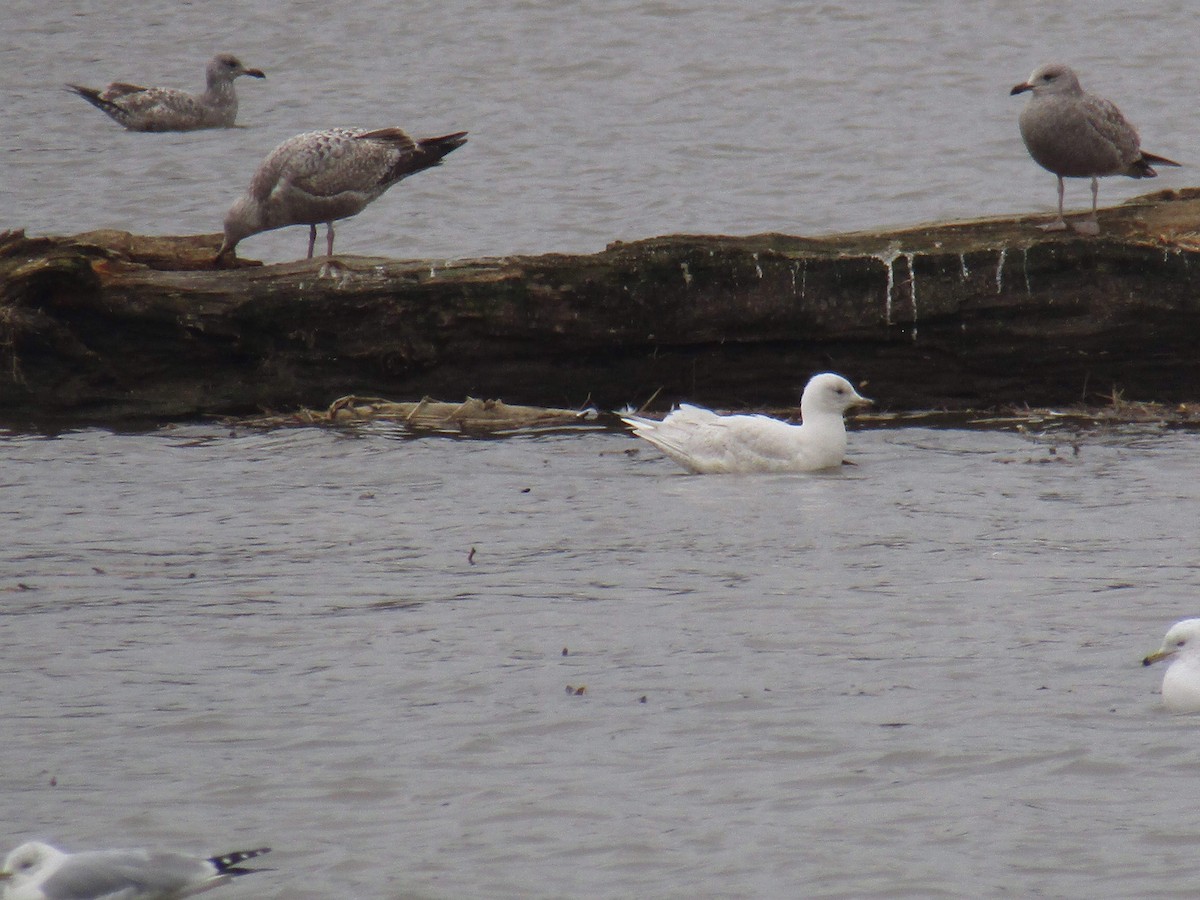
pixel 969 315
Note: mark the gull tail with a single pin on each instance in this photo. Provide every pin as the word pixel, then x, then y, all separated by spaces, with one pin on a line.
pixel 415 156
pixel 663 435
pixel 227 864
pixel 1161 160
pixel 431 150
pixel 92 96
pixel 1141 167
pixel 635 421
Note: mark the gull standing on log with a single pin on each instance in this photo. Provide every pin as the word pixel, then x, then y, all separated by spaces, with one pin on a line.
pixel 706 443
pixel 322 176
pixel 166 109
pixel 37 871
pixel 1075 134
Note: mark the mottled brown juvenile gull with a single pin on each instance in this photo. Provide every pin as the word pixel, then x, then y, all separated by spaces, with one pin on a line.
pixel 322 176
pixel 706 443
pixel 166 109
pixel 1075 134
pixel 37 871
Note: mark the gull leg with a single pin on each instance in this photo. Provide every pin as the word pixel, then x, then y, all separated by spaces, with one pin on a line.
pixel 1091 225
pixel 329 239
pixel 312 239
pixel 1059 224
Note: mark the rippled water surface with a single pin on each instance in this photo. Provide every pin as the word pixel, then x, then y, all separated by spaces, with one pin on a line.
pixel 553 666
pixel 590 120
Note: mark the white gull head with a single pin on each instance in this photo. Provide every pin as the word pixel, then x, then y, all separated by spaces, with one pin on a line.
pixel 1181 681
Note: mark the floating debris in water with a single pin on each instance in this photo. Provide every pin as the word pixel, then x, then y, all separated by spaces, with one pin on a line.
pixel 471 415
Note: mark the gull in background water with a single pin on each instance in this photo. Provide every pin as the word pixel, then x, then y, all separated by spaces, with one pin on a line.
pixel 1181 681
pixel 706 443
pixel 322 176
pixel 37 871
pixel 166 109
pixel 1075 134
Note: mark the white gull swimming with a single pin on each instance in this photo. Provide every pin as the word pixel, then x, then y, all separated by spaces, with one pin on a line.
pixel 166 109
pixel 322 176
pixel 37 871
pixel 1181 681
pixel 1076 134
pixel 704 442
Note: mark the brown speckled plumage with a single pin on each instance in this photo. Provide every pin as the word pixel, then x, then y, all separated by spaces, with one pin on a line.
pixel 323 176
pixel 166 109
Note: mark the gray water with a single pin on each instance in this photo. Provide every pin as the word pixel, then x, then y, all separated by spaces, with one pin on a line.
pixel 914 677
pixel 590 120
pixel 918 676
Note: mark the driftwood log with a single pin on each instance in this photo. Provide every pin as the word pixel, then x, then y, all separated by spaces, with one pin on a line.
pixel 971 315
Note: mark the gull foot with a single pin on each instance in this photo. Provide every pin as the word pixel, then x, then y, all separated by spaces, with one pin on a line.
pixel 1087 226
pixel 1056 225
pixel 333 268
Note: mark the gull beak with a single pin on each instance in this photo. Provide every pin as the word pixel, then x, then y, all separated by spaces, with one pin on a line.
pixel 860 400
pixel 1156 656
pixel 1020 88
pixel 255 73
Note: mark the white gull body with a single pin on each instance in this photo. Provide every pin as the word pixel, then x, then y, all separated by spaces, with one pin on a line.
pixel 704 442
pixel 37 871
pixel 322 176
pixel 1076 134
pixel 1181 681
pixel 166 109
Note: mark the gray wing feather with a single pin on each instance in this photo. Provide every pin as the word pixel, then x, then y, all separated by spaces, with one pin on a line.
pixel 129 875
pixel 1109 125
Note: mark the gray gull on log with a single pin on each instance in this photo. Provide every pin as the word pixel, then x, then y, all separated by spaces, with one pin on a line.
pixel 322 176
pixel 706 443
pixel 1075 134
pixel 37 871
pixel 166 109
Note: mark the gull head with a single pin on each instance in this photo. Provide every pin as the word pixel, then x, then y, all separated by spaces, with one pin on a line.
pixel 243 219
pixel 226 67
pixel 1181 636
pixel 1053 78
pixel 28 862
pixel 829 394
pixel 1181 681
